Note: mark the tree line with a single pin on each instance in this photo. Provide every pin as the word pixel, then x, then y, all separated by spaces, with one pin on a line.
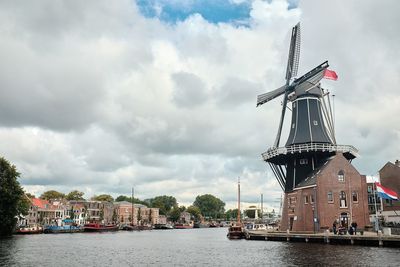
pixel 14 201
pixel 205 206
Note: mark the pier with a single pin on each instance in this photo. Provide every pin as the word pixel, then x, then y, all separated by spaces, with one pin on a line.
pixel 367 239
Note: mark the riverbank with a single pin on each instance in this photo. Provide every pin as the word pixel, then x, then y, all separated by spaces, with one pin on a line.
pixel 366 239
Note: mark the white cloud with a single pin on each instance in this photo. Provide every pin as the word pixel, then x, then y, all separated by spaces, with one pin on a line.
pixel 98 98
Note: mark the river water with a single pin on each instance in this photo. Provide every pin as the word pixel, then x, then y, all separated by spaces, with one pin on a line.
pixel 188 247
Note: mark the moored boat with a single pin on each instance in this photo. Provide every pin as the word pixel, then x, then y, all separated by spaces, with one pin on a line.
pixel 97 227
pixel 54 229
pixel 256 227
pixel 29 230
pixel 183 226
pixel 127 227
pixel 235 231
pixel 200 225
pixel 213 225
pixel 68 226
pixel 161 226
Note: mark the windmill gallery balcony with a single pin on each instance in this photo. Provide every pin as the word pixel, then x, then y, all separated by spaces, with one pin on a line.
pixel 275 153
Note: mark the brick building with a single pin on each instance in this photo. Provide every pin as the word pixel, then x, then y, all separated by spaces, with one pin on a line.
pixel 147 215
pixel 389 176
pixel 333 192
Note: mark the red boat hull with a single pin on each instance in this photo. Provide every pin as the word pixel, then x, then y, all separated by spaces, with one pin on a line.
pixel 92 227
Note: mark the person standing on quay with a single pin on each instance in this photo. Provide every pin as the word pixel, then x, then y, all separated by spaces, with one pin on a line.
pixel 354 225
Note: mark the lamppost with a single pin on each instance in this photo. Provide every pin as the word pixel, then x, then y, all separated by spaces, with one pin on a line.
pixel 313 215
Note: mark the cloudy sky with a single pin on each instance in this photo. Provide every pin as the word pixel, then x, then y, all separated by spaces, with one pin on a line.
pixel 101 96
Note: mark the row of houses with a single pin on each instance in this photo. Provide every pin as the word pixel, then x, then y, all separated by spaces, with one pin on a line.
pixel 47 212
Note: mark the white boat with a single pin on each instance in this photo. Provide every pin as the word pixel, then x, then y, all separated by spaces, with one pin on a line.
pixel 256 227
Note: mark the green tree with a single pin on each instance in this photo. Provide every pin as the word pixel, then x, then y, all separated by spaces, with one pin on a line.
pixel 210 206
pixel 231 214
pixel 75 195
pixel 71 213
pixel 103 197
pixel 195 211
pixel 114 216
pixel 174 214
pixel 29 195
pixel 123 198
pixel 101 215
pixel 23 205
pixel 52 194
pixel 11 195
pixel 163 203
pixel 129 199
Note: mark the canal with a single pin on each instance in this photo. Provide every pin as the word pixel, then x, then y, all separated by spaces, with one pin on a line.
pixel 190 247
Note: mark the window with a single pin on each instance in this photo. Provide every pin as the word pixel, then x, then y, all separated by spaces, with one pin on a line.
pixel 343 201
pixel 330 196
pixel 305 199
pixel 311 198
pixel 355 196
pixel 340 176
pixel 369 189
pixel 303 161
pixel 315 123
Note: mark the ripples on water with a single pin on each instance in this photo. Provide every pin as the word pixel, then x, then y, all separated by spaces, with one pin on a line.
pixel 190 247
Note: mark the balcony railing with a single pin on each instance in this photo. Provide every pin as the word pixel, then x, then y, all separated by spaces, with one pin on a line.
pixel 320 147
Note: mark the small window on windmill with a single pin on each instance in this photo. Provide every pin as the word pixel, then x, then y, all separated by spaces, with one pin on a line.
pixel 293 125
pixel 303 161
pixel 315 123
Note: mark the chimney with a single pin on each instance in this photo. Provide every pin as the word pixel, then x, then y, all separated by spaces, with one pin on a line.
pixel 397 163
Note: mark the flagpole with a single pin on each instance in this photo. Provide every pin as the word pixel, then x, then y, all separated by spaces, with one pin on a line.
pixel 376 208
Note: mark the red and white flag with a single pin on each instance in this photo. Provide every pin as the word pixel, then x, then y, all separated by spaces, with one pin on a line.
pixel 330 74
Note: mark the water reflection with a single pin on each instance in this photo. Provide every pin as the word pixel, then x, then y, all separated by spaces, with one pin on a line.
pixel 195 247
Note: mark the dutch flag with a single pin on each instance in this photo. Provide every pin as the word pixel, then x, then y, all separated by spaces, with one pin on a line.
pixel 386 193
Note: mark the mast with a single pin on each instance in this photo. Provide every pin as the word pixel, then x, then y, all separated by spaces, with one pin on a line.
pixel 262 206
pixel 238 214
pixel 132 209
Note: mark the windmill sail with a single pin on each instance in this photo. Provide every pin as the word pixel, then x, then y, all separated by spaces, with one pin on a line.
pixel 294 53
pixel 264 98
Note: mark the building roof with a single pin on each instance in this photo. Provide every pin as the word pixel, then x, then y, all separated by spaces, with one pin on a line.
pixel 396 164
pixel 40 203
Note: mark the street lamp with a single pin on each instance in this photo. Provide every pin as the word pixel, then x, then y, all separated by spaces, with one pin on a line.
pixel 313 215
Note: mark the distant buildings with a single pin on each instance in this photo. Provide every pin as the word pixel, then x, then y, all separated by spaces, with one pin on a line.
pixel 82 211
pixel 138 216
pixel 45 212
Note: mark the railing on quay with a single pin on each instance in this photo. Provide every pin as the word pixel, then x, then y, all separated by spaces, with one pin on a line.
pixel 321 147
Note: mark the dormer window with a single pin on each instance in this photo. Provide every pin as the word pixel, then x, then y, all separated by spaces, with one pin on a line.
pixel 341 176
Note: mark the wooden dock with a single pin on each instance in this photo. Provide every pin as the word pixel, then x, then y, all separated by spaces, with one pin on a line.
pixel 367 239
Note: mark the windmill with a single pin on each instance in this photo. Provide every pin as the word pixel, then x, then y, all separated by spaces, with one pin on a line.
pixel 311 139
